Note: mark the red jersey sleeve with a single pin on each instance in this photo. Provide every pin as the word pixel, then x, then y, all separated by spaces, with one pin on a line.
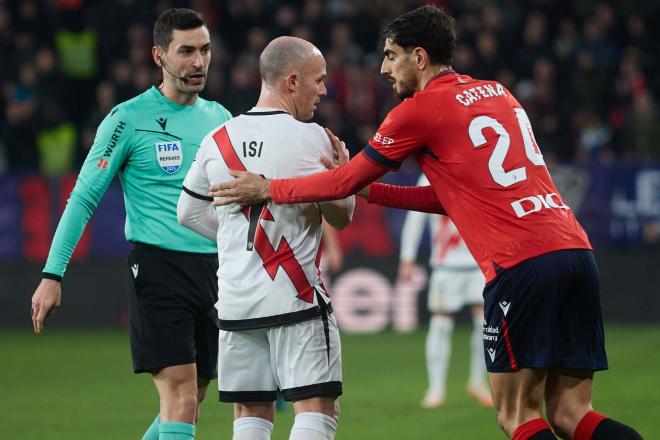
pixel 400 135
pixel 335 184
pixel 414 198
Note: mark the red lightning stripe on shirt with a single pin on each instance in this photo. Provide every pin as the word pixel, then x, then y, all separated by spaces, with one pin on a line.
pixel 230 157
pixel 282 257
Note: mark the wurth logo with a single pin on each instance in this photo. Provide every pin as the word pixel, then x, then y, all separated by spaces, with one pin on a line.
pixel 102 164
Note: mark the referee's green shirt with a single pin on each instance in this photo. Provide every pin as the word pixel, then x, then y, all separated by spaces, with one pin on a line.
pixel 151 142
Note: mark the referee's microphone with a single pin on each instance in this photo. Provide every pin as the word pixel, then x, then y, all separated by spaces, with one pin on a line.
pixel 183 79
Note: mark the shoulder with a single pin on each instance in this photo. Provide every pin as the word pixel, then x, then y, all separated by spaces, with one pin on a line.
pixel 133 107
pixel 315 130
pixel 317 137
pixel 215 107
pixel 120 117
pixel 136 104
pixel 405 112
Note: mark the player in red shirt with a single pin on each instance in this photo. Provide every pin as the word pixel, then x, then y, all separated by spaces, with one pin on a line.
pixel 543 333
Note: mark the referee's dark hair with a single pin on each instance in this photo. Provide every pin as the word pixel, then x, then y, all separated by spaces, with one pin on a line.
pixel 427 27
pixel 175 18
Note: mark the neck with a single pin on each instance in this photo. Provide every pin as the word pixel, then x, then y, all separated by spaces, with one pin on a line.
pixel 427 74
pixel 272 99
pixel 170 91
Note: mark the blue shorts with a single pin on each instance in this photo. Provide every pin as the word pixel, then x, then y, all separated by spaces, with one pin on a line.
pixel 545 313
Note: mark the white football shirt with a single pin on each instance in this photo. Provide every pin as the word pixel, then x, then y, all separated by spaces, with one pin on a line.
pixel 268 272
pixel 448 249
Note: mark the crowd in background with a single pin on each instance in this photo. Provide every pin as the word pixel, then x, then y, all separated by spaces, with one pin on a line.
pixel 586 72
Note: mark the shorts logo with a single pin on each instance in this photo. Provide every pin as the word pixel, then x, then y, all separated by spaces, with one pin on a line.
pixel 135 268
pixel 169 156
pixel 491 353
pixel 491 333
pixel 504 305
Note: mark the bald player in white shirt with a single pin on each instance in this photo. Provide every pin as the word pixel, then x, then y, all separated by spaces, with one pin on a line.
pixel 277 330
pixel 456 281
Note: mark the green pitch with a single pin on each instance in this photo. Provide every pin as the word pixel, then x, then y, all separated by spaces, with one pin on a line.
pixel 79 385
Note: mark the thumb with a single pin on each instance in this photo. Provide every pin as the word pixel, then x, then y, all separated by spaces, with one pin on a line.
pixel 327 162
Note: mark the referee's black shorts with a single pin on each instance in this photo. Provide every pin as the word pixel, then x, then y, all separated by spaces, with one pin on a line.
pixel 171 297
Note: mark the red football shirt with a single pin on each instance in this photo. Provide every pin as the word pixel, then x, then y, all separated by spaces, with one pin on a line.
pixel 475 144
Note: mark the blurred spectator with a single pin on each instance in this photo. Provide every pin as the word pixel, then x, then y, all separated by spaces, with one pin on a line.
pixel 56 142
pixel 242 92
pixel 106 99
pixel 642 128
pixel 534 43
pixel 489 59
pixel 594 136
pixel 588 84
pixel 122 77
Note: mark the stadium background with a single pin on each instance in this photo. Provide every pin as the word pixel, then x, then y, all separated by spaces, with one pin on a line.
pixel 586 71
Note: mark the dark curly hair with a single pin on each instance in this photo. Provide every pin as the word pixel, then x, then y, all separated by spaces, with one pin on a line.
pixel 427 27
pixel 175 18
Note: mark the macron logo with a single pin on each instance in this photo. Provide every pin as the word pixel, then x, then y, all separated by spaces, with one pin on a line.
pixel 491 353
pixel 134 268
pixel 504 305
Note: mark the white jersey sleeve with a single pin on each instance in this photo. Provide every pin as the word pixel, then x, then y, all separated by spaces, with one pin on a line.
pixel 413 228
pixel 194 209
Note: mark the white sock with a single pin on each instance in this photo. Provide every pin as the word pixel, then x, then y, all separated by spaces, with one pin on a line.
pixel 252 428
pixel 313 426
pixel 477 361
pixel 438 351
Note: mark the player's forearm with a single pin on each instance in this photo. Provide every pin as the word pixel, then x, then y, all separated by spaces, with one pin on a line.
pixel 411 235
pixel 414 198
pixel 197 215
pixel 339 213
pixel 335 184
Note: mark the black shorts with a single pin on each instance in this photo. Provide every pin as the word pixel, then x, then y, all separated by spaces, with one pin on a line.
pixel 545 313
pixel 171 300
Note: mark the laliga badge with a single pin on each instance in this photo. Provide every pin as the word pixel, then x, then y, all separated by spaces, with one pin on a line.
pixel 169 156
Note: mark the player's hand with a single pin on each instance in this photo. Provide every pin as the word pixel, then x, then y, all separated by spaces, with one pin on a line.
pixel 339 152
pixel 45 301
pixel 364 192
pixel 246 189
pixel 406 269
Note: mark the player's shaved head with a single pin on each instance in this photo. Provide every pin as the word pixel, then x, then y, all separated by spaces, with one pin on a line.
pixel 284 55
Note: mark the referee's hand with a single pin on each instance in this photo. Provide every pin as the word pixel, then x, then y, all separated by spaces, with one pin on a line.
pixel 46 300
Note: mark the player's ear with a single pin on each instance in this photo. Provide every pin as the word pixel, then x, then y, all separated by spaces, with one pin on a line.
pixel 421 57
pixel 157 54
pixel 291 82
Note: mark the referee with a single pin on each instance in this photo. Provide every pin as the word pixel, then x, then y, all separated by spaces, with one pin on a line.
pixel 151 141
